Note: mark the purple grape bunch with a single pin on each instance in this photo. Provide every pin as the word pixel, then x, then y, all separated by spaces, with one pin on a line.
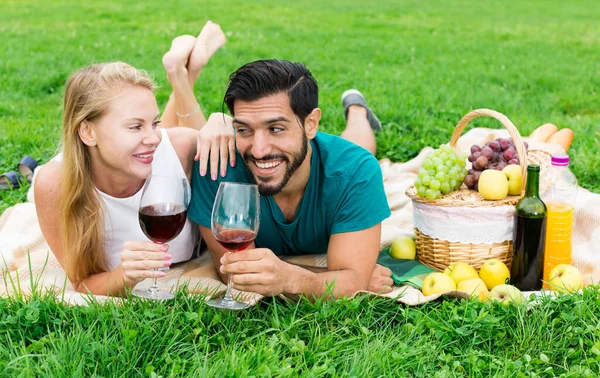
pixel 496 154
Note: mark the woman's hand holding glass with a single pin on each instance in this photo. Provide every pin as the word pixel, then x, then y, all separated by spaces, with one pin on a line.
pixel 140 260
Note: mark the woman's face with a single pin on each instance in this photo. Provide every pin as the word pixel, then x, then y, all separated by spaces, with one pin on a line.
pixel 127 135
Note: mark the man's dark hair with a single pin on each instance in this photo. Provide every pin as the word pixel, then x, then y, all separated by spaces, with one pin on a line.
pixel 262 78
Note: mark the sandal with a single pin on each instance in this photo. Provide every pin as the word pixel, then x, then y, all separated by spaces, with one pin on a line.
pixel 26 166
pixel 10 180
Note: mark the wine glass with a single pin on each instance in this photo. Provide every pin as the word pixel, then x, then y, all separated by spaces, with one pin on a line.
pixel 162 216
pixel 234 224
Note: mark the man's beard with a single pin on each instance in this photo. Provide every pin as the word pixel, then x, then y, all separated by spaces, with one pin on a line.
pixel 268 190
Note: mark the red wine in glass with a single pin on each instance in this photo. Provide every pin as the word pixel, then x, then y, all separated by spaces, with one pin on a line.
pixel 235 220
pixel 162 216
pixel 162 222
pixel 235 240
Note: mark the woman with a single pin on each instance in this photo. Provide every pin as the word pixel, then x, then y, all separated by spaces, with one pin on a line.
pixel 111 142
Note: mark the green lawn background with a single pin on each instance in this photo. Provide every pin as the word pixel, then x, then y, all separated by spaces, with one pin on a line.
pixel 422 65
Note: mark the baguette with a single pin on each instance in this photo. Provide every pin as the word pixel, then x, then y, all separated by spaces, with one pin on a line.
pixel 563 138
pixel 543 133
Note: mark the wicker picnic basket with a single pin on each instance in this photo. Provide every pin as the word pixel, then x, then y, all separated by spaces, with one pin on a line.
pixel 439 253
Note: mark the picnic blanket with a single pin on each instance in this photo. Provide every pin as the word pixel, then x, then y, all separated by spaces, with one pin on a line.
pixel 28 263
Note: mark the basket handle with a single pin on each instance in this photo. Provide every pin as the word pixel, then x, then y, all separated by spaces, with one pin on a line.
pixel 512 131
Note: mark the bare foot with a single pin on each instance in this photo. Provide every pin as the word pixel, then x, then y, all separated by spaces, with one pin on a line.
pixel 176 59
pixel 211 38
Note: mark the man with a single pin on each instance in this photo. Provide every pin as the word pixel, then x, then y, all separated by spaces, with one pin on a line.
pixel 319 193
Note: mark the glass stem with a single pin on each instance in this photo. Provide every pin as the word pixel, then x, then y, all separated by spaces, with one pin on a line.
pixel 228 297
pixel 153 289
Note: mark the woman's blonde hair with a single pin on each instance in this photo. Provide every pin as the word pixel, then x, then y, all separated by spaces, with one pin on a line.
pixel 81 217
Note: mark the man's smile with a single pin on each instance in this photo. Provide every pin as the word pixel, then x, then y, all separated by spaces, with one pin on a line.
pixel 267 168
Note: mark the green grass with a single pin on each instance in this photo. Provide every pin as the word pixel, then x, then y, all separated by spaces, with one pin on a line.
pixel 422 66
pixel 354 338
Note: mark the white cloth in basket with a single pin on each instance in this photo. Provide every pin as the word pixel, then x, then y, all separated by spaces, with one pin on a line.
pixel 476 225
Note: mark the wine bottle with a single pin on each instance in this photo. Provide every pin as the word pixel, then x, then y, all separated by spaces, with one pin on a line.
pixel 529 235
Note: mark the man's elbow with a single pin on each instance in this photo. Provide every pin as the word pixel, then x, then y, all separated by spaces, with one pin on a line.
pixel 351 286
pixel 358 286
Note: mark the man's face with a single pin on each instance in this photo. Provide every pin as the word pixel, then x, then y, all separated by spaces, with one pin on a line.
pixel 271 140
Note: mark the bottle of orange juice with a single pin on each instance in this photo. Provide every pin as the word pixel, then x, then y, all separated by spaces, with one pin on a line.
pixel 560 201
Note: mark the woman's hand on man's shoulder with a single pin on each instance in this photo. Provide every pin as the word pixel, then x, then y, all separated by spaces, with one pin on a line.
pixel 216 143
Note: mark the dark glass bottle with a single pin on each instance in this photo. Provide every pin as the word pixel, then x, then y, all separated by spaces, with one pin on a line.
pixel 529 236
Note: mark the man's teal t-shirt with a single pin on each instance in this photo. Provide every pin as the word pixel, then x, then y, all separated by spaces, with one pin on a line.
pixel 344 193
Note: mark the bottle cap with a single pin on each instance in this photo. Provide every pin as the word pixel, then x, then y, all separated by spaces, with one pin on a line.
pixel 560 160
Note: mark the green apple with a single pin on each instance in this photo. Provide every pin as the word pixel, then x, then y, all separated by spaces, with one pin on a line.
pixel 507 293
pixel 461 271
pixel 493 185
pixel 403 248
pixel 515 179
pixel 475 287
pixel 437 283
pixel 565 278
pixel 494 272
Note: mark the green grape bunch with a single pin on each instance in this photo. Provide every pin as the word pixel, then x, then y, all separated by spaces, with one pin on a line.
pixel 442 172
